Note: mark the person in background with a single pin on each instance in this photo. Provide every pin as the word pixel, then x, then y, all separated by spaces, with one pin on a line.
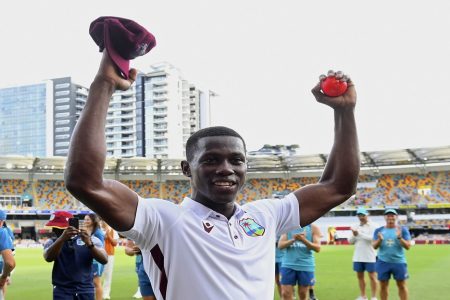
pixel 92 226
pixel 278 259
pixel 72 252
pixel 298 263
pixel 111 240
pixel 364 256
pixel 392 240
pixel 8 262
pixel 145 287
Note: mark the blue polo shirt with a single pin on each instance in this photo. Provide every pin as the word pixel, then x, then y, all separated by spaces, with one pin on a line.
pixel 5 240
pixel 297 256
pixel 72 269
pixel 390 250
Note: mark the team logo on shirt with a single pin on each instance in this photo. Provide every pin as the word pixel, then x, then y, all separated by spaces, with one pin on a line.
pixel 251 228
pixel 390 243
pixel 208 226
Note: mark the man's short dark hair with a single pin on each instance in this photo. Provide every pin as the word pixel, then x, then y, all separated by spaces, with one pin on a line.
pixel 191 143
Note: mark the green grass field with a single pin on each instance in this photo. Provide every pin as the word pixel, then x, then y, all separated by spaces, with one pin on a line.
pixel 429 268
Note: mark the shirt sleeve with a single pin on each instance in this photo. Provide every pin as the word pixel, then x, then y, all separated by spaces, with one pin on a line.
pixel 375 233
pixel 5 241
pixel 284 211
pixel 97 242
pixel 405 234
pixel 153 218
pixel 48 243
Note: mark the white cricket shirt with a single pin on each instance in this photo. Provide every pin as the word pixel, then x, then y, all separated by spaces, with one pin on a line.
pixel 364 251
pixel 193 252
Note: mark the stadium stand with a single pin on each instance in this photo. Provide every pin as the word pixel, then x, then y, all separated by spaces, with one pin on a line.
pixel 409 180
pixel 386 190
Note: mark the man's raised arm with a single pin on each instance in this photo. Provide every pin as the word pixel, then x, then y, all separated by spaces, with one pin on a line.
pixel 339 178
pixel 110 199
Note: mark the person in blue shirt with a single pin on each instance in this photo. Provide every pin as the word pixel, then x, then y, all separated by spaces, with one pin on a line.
pixel 298 263
pixel 73 252
pixel 92 226
pixel 8 263
pixel 391 241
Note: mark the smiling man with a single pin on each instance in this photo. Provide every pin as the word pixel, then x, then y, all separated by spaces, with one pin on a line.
pixel 392 240
pixel 209 247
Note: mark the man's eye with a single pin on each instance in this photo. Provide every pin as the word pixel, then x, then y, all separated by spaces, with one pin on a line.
pixel 209 160
pixel 239 161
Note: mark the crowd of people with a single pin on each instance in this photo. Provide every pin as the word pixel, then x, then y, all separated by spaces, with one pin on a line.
pixel 83 257
pixel 374 191
pixel 295 263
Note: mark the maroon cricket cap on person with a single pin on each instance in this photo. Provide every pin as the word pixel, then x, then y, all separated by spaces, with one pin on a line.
pixel 123 39
pixel 59 219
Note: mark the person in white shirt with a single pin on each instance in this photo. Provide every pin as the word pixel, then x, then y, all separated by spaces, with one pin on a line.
pixel 364 256
pixel 209 247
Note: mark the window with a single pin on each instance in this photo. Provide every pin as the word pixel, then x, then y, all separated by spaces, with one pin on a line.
pixel 62 144
pixel 62 136
pixel 60 86
pixel 62 115
pixel 62 93
pixel 62 100
pixel 62 107
pixel 62 122
pixel 62 129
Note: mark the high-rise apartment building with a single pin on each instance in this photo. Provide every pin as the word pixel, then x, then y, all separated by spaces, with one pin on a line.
pixel 68 101
pixel 170 112
pixel 121 134
pixel 24 111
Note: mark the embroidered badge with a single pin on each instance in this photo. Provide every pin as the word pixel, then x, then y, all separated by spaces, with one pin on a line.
pixel 251 228
pixel 208 226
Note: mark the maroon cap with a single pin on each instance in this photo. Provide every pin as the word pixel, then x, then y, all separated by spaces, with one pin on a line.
pixel 123 39
pixel 59 219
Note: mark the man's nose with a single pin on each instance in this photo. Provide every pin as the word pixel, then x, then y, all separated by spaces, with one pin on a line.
pixel 225 168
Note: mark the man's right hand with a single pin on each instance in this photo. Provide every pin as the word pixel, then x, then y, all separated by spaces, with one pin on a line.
pixel 108 72
pixel 69 233
pixel 380 236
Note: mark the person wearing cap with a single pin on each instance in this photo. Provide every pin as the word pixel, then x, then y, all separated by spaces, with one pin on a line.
pixel 72 252
pixel 209 228
pixel 8 262
pixel 364 255
pixel 298 263
pixel 391 241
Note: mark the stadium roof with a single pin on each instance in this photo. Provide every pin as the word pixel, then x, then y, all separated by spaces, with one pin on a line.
pixel 422 158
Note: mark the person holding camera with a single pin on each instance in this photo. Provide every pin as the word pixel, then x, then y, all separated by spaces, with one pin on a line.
pixel 72 252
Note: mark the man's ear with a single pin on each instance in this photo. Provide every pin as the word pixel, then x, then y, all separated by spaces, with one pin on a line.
pixel 186 168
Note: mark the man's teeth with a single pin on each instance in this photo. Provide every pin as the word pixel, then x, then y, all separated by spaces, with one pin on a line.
pixel 224 183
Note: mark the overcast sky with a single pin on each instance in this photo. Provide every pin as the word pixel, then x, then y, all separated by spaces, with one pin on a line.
pixel 263 58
